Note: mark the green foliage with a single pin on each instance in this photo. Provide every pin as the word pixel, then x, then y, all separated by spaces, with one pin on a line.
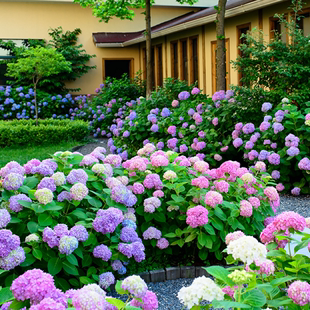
pixel 281 67
pixel 65 43
pixel 37 63
pixel 105 10
pixel 49 131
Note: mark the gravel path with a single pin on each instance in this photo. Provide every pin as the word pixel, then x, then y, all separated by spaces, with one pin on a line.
pixel 167 291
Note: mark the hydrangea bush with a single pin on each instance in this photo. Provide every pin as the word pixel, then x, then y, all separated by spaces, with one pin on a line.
pixel 18 103
pixel 36 290
pixel 268 278
pixel 83 218
pixel 281 141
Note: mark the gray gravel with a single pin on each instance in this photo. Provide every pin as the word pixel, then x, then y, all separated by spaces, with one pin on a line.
pixel 299 204
pixel 167 291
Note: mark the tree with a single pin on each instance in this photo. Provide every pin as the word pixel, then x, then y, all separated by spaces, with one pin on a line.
pixel 106 9
pixel 66 44
pixel 220 46
pixel 38 63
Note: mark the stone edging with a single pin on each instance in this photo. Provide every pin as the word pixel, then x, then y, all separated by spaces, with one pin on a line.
pixel 173 273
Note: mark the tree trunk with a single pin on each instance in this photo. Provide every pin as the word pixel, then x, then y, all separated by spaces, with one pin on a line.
pixel 220 49
pixel 149 75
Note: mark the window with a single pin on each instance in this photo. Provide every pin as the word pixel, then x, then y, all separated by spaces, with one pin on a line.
pixel 241 30
pixel 184 60
pixel 159 65
pixel 304 22
pixel 277 29
pixel 174 60
pixel 156 63
pixel 194 60
pixel 213 58
pixel 4 55
pixel 115 68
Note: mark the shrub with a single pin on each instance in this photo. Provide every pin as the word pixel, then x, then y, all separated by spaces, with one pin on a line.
pixel 282 141
pixel 18 103
pixel 24 132
pixel 77 216
pixel 260 281
pixel 268 65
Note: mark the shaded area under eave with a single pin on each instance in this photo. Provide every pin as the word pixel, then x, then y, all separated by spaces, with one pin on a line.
pixel 121 37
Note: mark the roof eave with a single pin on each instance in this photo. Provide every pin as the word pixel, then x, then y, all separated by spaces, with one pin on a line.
pixel 206 20
pixel 109 44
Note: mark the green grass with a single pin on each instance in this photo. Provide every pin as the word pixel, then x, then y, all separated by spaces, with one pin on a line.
pixel 23 153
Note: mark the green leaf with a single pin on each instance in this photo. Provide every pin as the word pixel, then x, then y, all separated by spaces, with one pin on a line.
pixel 5 295
pixel 115 302
pixel 62 283
pixel 160 217
pixel 217 223
pixel 53 207
pixel 254 298
pixel 28 261
pixel 32 227
pixel 54 266
pixel 220 273
pixel 202 238
pixel 86 261
pixel 170 235
pixel 178 199
pixel 190 238
pixel 15 220
pixel 72 260
pixel 209 229
pixel 24 203
pixel 37 253
pixel 220 214
pixel 15 305
pixel 279 281
pixel 31 182
pixel 85 280
pixel 69 268
pixel 118 288
pixel 79 214
pixel 228 304
pixel 94 202
pixel 45 219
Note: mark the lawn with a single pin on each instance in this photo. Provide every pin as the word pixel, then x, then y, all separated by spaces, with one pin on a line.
pixel 23 153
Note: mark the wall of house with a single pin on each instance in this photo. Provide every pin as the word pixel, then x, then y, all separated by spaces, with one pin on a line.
pixel 259 19
pixel 32 20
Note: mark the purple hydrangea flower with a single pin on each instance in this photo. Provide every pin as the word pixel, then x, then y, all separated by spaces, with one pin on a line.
pixel 106 279
pixel 14 204
pixel 5 218
pixel 103 252
pixel 266 106
pixel 292 151
pixel 184 95
pixel 47 183
pixel 13 181
pixel 128 234
pixel 77 175
pixel 67 245
pixel 106 221
pixel 79 232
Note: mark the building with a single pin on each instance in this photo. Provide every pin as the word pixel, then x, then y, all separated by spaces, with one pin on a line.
pixel 183 37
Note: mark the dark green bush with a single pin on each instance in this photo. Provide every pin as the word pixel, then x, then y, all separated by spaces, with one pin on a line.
pixel 49 131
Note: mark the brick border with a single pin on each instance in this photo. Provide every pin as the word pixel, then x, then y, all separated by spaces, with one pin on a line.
pixel 173 273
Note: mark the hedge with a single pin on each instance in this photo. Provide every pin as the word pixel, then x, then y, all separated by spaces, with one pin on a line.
pixel 48 131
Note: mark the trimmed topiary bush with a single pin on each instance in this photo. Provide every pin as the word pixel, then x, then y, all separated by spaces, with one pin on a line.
pixel 49 131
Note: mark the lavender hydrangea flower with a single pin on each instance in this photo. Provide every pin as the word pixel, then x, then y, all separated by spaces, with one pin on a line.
pixel 106 279
pixel 103 252
pixel 14 259
pixel 68 244
pixel 5 218
pixel 277 127
pixel 77 176
pixel 116 265
pixel 14 204
pixel 106 221
pixel 292 151
pixel 8 242
pixel 47 183
pixel 248 128
pixel 237 142
pixel 266 106
pixel 50 237
pixel 135 285
pixel 79 232
pixel 184 95
pixel 152 233
pixel 274 159
pixel 128 234
pixel 13 181
pixel 165 112
pixel 64 196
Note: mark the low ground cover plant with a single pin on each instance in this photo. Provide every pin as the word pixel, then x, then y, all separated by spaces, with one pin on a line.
pixel 48 131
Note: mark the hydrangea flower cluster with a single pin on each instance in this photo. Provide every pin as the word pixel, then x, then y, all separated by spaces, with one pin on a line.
pixel 197 216
pixel 202 289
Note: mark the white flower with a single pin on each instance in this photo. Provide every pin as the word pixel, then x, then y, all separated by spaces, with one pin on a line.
pixel 202 288
pixel 247 249
pixel 285 100
pixel 32 238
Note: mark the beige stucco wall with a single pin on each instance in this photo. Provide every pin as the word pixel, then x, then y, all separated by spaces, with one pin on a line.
pixel 23 20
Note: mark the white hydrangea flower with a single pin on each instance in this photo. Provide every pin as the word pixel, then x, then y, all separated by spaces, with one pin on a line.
pixel 201 289
pixel 32 238
pixel 247 249
pixel 285 100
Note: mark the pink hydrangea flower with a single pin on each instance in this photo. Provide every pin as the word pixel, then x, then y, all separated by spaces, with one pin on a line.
pixel 234 236
pixel 201 166
pixel 271 193
pixel 160 161
pixel 197 216
pixel 254 201
pixel 201 182
pixel 266 267
pixel 299 292
pixel 246 209
pixel 222 186
pixel 213 198
pixel 288 220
